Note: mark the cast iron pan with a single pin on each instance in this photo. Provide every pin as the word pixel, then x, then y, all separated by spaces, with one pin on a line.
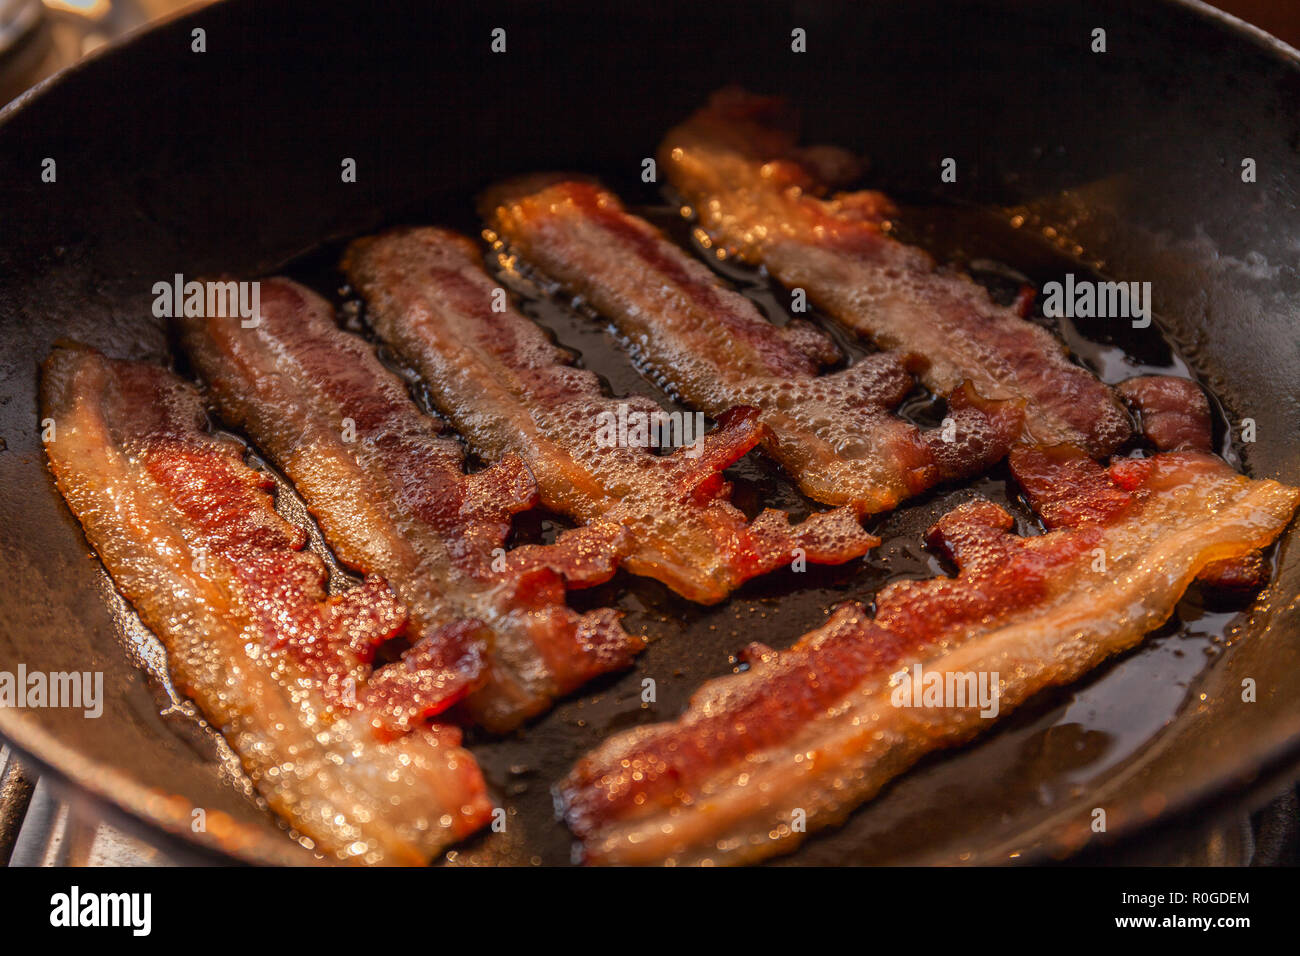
pixel 1127 162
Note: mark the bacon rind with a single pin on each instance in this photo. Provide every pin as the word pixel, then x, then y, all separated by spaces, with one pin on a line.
pixel 190 536
pixel 807 734
pixel 1241 574
pixel 508 389
pixel 392 498
pixel 757 198
pixel 833 433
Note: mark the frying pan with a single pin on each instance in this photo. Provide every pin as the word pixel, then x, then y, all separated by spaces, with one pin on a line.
pixel 1127 161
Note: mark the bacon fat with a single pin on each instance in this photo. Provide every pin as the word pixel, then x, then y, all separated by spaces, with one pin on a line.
pixel 833 433
pixel 757 197
pixel 190 536
pixel 392 498
pixel 805 735
pixel 503 384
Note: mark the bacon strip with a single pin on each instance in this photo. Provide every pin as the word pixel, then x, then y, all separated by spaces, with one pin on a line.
pixel 1174 413
pixel 834 433
pixel 191 538
pixel 756 197
pixel 1175 416
pixel 392 499
pixel 507 389
pixel 809 733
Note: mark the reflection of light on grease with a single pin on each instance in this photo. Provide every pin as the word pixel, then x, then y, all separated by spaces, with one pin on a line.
pixel 148 653
pixel 146 650
pixel 92 9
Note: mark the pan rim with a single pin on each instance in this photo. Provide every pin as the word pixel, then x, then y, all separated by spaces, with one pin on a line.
pixel 246 843
pixel 103 51
pixel 1261 38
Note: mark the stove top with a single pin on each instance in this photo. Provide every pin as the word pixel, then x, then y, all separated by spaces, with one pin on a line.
pixel 45 821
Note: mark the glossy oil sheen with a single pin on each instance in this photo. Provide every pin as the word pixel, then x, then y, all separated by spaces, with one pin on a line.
pixel 1089 729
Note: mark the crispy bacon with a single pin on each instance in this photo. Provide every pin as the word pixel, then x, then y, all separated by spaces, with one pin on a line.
pixel 1244 573
pixel 1175 416
pixel 805 735
pixel 834 433
pixel 392 498
pixel 190 535
pixel 1174 412
pixel 756 197
pixel 508 389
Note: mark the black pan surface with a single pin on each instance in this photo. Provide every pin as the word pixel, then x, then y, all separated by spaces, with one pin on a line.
pixel 1127 163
